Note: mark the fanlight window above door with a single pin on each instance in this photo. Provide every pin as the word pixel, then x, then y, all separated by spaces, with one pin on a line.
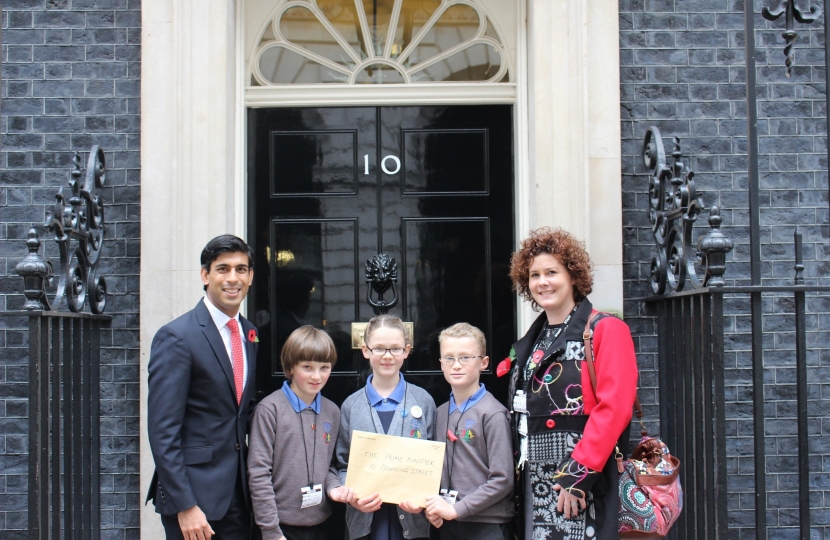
pixel 379 42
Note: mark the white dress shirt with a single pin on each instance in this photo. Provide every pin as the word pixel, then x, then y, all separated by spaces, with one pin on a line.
pixel 221 322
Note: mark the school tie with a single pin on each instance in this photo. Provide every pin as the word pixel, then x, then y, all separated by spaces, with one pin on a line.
pixel 237 358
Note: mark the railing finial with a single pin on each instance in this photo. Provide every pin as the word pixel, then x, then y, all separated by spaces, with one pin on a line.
pixel 713 249
pixel 799 258
pixel 791 12
pixel 36 272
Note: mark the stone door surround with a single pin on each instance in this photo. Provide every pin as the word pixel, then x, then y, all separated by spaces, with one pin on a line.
pixel 567 150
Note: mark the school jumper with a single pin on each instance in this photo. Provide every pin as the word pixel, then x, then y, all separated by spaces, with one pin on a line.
pixel 280 464
pixel 478 464
pixel 360 412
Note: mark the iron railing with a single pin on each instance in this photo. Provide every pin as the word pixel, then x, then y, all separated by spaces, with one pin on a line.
pixel 791 12
pixel 689 299
pixel 64 361
pixel 682 296
pixel 687 282
pixel 64 425
pixel 693 420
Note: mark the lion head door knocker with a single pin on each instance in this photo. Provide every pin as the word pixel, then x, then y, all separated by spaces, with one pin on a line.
pixel 381 275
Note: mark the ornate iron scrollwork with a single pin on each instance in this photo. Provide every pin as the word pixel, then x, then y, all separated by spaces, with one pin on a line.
pixel 791 11
pixel 381 275
pixel 673 209
pixel 78 214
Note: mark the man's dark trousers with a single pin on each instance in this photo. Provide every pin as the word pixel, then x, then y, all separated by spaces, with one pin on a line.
pixel 236 525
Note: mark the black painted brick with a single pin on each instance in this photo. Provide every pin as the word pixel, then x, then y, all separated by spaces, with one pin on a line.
pixel 682 70
pixel 70 72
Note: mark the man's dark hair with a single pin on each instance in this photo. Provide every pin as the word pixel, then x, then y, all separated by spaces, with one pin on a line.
pixel 226 243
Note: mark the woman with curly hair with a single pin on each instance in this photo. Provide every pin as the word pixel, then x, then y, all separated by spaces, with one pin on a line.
pixel 566 431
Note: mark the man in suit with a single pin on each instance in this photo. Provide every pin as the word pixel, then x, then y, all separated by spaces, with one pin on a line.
pixel 201 378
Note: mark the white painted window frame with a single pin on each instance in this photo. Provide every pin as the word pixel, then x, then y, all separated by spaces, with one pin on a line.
pixel 273 19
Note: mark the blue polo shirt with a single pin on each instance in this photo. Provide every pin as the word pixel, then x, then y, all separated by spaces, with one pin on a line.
pixel 386 404
pixel 385 524
pixel 298 404
pixel 472 400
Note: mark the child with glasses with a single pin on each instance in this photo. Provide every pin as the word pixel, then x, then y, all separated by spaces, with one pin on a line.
pixel 386 405
pixel 476 499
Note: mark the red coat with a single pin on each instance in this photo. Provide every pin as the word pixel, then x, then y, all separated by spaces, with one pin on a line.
pixel 609 410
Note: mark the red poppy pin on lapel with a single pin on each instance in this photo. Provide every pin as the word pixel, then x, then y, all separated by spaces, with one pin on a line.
pixel 252 337
pixel 504 366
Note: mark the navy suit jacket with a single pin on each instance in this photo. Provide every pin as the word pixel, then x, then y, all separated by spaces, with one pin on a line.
pixel 197 431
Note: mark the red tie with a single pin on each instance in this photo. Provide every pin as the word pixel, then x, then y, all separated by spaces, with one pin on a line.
pixel 237 358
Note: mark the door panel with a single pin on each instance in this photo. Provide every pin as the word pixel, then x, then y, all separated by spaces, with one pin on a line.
pixel 332 187
pixel 445 161
pixel 447 280
pixel 462 220
pixel 308 163
pixel 312 221
pixel 314 281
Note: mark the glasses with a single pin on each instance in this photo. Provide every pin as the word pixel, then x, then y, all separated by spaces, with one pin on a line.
pixel 450 360
pixel 379 351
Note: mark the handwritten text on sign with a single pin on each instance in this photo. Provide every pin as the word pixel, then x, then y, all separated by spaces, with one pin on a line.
pixel 398 468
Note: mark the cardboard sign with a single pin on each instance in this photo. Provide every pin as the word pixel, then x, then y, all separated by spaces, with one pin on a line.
pixel 398 468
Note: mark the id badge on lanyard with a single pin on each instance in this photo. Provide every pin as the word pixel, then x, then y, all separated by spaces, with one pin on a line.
pixel 449 495
pixel 312 496
pixel 520 402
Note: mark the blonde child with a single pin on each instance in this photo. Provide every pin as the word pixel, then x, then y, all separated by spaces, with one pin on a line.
pixel 293 435
pixel 476 498
pixel 388 405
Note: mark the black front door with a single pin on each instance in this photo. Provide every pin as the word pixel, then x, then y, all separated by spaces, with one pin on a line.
pixel 431 187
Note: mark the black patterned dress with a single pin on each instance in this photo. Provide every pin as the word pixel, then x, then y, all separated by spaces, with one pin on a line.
pixel 549 419
pixel 553 385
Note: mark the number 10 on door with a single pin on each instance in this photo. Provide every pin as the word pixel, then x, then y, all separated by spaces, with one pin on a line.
pixel 394 159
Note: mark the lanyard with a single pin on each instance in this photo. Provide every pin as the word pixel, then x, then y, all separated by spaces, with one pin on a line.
pixel 558 331
pixel 451 461
pixel 372 411
pixel 309 470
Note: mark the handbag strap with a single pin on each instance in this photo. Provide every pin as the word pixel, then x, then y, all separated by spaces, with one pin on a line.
pixel 587 337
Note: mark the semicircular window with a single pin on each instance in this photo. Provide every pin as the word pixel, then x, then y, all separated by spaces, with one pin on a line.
pixel 379 42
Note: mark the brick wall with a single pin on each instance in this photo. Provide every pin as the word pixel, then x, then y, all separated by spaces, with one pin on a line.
pixel 683 70
pixel 71 73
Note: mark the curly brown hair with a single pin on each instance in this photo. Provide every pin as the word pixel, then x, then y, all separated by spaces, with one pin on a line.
pixel 561 244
